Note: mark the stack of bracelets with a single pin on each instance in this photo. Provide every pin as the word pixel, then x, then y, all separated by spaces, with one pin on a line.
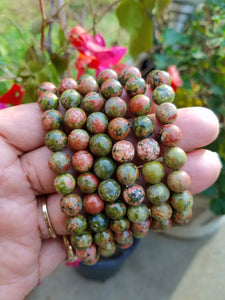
pixel 110 208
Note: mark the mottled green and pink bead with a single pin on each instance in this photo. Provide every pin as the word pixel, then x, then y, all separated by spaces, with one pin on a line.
pixel 82 161
pixel 115 210
pixel 87 84
pixel 97 122
pixel 46 87
pixel 98 222
pixel 138 214
pixel 181 201
pixel 70 98
pixel 75 118
pixel 148 149
pixel 135 86
pixel 93 102
pixel 51 119
pixel 161 212
pixel 158 193
pixel 153 172
pixel 48 101
pixel 158 77
pixel 174 158
pixel 82 241
pixel 71 204
pixel 140 230
pixel 111 88
pixel 59 162
pixel 123 151
pixel 178 181
pixel 87 182
pixel 106 74
pixel 143 127
pixel 169 135
pixel 115 107
pixel 140 105
pixel 109 190
pixel 119 225
pixel 127 173
pixel 119 128
pixel 55 140
pixel 67 84
pixel 100 144
pixel 134 195
pixel 64 183
pixel 166 113
pixel 78 139
pixel 76 224
pixel 163 93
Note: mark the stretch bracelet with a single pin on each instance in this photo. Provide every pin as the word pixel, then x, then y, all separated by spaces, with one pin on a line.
pixel 110 207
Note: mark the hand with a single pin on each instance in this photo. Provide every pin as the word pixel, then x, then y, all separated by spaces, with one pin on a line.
pixel 27 253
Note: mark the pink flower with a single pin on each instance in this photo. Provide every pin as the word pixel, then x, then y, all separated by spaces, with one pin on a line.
pixel 13 96
pixel 176 80
pixel 92 51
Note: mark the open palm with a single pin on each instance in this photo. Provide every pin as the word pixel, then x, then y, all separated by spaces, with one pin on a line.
pixel 27 253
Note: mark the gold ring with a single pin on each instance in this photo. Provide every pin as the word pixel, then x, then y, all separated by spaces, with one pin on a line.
pixel 46 217
pixel 71 257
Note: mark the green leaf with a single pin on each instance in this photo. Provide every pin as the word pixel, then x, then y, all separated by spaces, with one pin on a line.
pixel 62 38
pixel 60 63
pixel 48 73
pixel 130 15
pixel 217 205
pixel 210 192
pixel 160 7
pixel 36 26
pixel 142 41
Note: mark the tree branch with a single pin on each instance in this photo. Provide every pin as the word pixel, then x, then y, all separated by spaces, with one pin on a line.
pixel 42 24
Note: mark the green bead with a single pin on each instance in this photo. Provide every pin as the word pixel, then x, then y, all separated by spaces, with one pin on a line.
pixel 158 193
pixel 178 181
pixel 59 162
pixel 182 217
pixel 163 93
pixel 111 88
pixel 135 86
pixel 83 241
pixel 119 225
pixel 100 144
pixel 103 237
pixel 76 225
pixel 104 167
pixel 161 225
pixel 143 126
pixel 123 237
pixel 52 119
pixel 109 190
pixel 107 250
pixel 174 158
pixel 138 214
pixel 127 173
pixel 115 210
pixel 98 222
pixel 161 212
pixel 153 172
pixel 70 98
pixel 97 122
pixel 55 140
pixel 182 201
pixel 48 101
pixel 87 182
pixel 64 183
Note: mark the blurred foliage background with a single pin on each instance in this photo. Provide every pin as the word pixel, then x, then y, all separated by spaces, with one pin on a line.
pixel 34 47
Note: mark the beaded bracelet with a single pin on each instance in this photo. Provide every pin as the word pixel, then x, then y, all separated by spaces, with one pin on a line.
pixel 112 208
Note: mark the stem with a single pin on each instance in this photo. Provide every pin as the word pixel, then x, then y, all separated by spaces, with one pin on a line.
pixel 42 24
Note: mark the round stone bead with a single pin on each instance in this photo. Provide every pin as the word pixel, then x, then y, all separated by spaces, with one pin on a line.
pixel 115 107
pixel 111 88
pixel 109 190
pixel 97 122
pixel 46 87
pixel 135 86
pixel 138 214
pixel 64 183
pixel 70 98
pixel 90 261
pixel 84 77
pixel 82 241
pixel 119 128
pixel 85 254
pixel 163 93
pixel 169 135
pixel 174 158
pixel 119 225
pixel 158 77
pixel 134 195
pixel 59 162
pixel 51 119
pixel 126 246
pixel 82 161
pixel 75 118
pixel 71 204
pixel 123 237
pixel 148 149
pixel 55 140
pixel 121 76
pixel 181 201
pixel 178 181
pixel 161 225
pixel 104 167
pixel 98 222
pixel 107 250
pixel 127 173
pixel 140 230
pixel 182 217
pixel 161 212
pixel 115 210
pixel 67 84
pixel 131 71
pixel 140 105
pixel 104 237
pixel 87 85
pixel 100 144
pixel 153 172
pixel 166 113
pixel 93 102
pixel 123 151
pixel 106 74
pixel 143 127
pixel 87 182
pixel 76 225
pixel 48 101
pixel 78 139
pixel 158 193
pixel 93 204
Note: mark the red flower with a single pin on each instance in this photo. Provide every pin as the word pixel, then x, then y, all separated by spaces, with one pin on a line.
pixel 176 80
pixel 13 96
pixel 93 52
